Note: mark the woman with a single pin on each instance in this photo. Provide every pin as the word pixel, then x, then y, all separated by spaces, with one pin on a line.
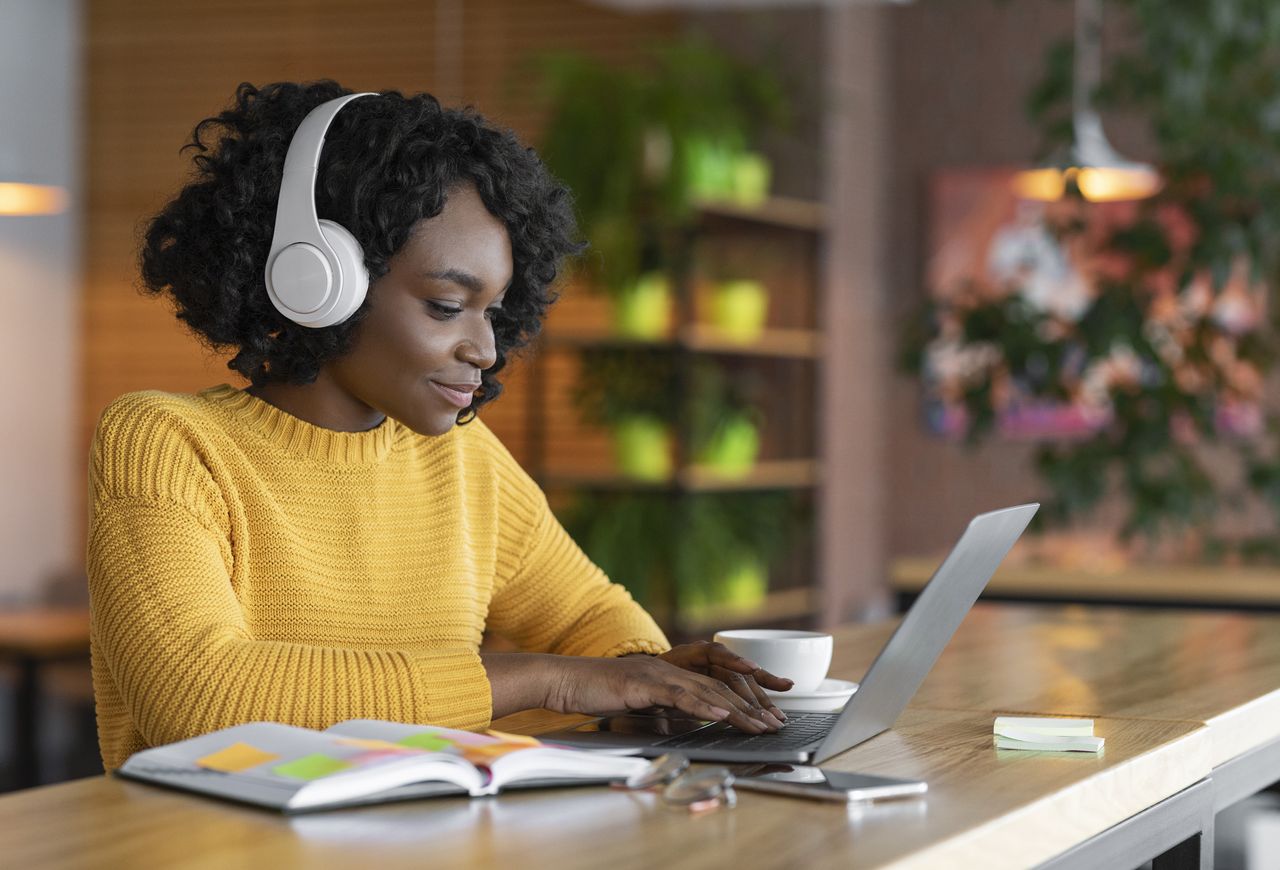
pixel 331 542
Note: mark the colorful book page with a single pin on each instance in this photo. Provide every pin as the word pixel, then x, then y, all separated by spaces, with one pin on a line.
pixel 236 757
pixel 311 766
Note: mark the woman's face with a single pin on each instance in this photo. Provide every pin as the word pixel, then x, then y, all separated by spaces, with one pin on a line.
pixel 418 354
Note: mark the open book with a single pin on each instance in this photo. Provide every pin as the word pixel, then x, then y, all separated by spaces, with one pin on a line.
pixel 364 761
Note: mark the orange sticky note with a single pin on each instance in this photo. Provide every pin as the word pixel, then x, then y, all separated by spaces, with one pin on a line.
pixel 237 756
pixel 522 739
pixel 483 755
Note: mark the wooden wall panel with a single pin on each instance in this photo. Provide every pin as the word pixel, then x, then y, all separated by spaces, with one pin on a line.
pixel 156 67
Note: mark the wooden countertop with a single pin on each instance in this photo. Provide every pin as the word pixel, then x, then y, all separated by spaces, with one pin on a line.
pixel 1174 692
pixel 44 632
pixel 986 807
pixel 1202 584
pixel 1220 668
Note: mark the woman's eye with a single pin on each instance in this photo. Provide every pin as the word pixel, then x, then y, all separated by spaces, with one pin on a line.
pixel 444 312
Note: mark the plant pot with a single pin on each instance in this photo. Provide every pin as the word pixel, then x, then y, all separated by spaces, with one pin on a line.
pixel 710 170
pixel 733 449
pixel 739 308
pixel 744 587
pixel 751 175
pixel 642 448
pixel 643 310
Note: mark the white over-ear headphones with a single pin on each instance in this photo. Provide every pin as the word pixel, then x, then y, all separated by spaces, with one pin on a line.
pixel 315 271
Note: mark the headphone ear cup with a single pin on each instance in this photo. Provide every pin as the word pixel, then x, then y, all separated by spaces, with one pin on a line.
pixel 355 277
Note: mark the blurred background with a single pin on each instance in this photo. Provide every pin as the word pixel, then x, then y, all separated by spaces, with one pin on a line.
pixel 859 271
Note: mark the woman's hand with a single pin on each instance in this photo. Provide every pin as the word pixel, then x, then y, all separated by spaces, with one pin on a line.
pixel 746 678
pixel 609 685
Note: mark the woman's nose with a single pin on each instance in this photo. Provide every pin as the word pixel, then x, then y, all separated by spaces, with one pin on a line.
pixel 480 349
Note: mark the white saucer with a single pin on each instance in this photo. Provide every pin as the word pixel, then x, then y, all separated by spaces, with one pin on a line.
pixel 829 697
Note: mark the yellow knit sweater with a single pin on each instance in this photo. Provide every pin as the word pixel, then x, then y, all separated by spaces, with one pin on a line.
pixel 247 565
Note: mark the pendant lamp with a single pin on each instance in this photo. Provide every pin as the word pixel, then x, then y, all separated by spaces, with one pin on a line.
pixel 1093 165
pixel 20 198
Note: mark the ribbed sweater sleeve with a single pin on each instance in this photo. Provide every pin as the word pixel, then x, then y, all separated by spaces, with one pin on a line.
pixel 175 643
pixel 548 596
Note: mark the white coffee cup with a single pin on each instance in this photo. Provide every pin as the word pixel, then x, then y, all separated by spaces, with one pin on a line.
pixel 801 656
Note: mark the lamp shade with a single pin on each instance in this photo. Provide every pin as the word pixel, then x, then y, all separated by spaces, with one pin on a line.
pixel 1094 167
pixel 20 198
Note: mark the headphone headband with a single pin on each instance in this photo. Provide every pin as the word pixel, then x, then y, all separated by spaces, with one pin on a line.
pixel 315 269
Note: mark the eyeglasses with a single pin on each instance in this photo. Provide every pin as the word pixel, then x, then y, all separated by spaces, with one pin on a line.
pixel 695 790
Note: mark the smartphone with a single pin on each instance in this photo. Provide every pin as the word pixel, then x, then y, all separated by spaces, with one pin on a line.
pixel 824 784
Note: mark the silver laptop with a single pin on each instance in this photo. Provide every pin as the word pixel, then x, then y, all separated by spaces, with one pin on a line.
pixel 883 694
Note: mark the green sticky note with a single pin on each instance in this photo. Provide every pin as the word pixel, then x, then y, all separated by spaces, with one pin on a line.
pixel 427 740
pixel 311 766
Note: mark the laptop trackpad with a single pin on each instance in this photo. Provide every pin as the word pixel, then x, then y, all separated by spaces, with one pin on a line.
pixel 628 729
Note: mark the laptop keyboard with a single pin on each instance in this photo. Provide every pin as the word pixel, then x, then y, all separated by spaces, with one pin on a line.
pixel 801 730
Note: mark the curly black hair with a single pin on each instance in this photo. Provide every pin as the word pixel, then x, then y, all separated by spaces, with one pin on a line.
pixel 388 162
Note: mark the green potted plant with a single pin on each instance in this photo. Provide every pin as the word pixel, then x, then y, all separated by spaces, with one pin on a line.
pixel 632 392
pixel 722 562
pixel 736 278
pixel 640 146
pixel 724 423
pixel 726 169
pixel 710 551
pixel 630 536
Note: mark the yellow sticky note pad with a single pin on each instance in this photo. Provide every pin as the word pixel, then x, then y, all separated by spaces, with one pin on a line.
pixel 484 755
pixel 237 756
pixel 521 739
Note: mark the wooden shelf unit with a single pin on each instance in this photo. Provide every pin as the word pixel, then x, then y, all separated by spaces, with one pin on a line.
pixel 792 340
pixel 1246 586
pixel 783 605
pixel 703 338
pixel 779 211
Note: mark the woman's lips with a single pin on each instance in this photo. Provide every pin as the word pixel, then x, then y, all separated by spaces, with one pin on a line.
pixel 455 395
